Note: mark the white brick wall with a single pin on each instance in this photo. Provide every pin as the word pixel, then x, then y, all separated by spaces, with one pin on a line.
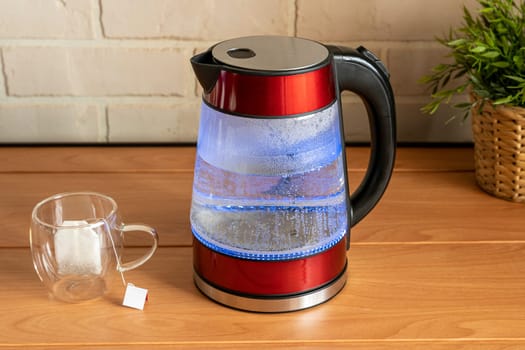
pixel 98 71
pixel 159 122
pixel 194 20
pixel 46 19
pixel 3 83
pixel 36 122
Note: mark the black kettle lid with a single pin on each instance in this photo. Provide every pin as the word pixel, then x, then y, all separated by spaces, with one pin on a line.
pixel 270 53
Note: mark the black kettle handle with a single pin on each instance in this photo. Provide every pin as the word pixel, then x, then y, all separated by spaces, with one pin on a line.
pixel 359 71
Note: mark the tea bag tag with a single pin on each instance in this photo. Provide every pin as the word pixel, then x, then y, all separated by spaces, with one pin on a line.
pixel 135 297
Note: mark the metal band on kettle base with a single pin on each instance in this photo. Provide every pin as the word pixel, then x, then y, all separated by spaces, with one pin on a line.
pixel 273 303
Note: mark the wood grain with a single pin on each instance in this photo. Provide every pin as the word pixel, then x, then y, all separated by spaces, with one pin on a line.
pixel 417 207
pixel 435 344
pixel 180 158
pixel 396 292
pixel 437 265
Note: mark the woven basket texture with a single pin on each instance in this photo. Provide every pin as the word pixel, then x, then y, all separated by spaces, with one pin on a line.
pixel 499 150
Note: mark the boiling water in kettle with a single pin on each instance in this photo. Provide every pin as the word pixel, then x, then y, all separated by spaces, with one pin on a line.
pixel 278 195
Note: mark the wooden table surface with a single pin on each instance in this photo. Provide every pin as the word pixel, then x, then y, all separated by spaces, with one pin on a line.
pixel 437 265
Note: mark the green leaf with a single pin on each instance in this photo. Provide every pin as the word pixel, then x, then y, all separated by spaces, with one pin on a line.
pixel 502 101
pixel 486 10
pixel 500 28
pixel 461 89
pixel 515 78
pixel 478 49
pixel 456 42
pixel 501 64
pixel 518 61
pixel 431 108
pixel 490 54
pixel 440 68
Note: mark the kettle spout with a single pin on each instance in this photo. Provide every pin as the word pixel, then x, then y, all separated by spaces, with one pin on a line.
pixel 206 70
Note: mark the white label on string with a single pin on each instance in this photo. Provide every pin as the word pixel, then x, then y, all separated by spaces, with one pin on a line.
pixel 135 297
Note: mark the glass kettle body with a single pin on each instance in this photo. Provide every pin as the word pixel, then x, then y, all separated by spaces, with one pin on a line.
pixel 271 213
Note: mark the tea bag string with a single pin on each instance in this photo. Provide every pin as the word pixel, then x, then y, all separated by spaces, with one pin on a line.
pixel 117 257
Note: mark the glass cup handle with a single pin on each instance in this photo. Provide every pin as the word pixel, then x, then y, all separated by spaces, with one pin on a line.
pixel 123 267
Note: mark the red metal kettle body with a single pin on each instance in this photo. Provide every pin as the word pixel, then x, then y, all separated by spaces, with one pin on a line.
pixel 271 211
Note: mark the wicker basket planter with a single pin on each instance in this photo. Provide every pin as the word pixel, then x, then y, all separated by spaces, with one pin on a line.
pixel 499 150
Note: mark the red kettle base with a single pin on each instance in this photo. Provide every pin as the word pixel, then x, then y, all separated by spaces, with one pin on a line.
pixel 278 303
pixel 270 286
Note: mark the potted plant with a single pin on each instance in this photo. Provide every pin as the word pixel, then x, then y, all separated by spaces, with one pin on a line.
pixel 488 62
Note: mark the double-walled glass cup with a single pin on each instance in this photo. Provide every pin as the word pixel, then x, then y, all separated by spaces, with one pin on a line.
pixel 76 242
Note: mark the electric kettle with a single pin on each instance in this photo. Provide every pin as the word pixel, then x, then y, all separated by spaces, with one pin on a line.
pixel 271 210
